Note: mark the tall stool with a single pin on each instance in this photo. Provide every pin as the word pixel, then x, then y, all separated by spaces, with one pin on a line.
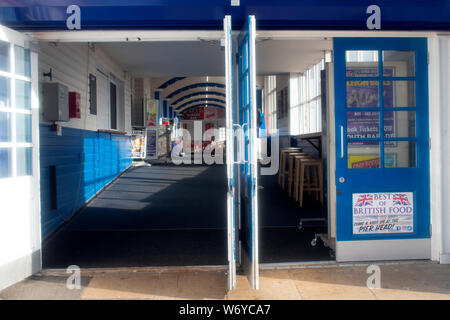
pixel 282 171
pixel 316 183
pixel 291 158
pixel 288 158
pixel 296 171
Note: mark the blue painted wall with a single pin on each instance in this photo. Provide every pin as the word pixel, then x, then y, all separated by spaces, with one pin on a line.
pixel 85 162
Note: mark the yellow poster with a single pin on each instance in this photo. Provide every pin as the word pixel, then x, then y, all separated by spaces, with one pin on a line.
pixel 370 161
pixel 152 112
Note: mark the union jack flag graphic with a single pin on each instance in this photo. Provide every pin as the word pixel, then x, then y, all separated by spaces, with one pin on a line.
pixel 401 199
pixel 365 200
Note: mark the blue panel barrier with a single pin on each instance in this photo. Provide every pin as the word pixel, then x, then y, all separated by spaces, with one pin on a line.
pixel 85 162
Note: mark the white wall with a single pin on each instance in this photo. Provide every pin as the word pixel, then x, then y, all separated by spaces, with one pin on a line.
pixel 444 80
pixel 71 64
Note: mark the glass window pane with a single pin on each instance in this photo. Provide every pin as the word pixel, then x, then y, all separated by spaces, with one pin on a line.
pixel 5 92
pixel 22 58
pixel 362 93
pixel 363 124
pixel 5 127
pixel 4 56
pixel 399 154
pixel 361 63
pixel 399 124
pixel 363 155
pixel 23 95
pixel 5 162
pixel 24 161
pixel 399 94
pixel 23 128
pixel 398 63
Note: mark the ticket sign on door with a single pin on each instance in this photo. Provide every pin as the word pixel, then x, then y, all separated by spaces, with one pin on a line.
pixel 383 213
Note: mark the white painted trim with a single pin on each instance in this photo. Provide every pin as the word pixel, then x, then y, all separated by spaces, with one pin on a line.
pixel 327 34
pixel 375 250
pixel 197 35
pixel 125 35
pixel 443 82
pixel 35 215
pixel 331 152
pixel 15 37
pixel 231 239
pixel 435 132
pixel 254 151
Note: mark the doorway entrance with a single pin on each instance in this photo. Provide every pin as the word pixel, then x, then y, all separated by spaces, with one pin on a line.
pixel 382 141
pixel 381 136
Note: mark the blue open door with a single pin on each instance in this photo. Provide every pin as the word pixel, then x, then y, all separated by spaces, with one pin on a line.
pixel 229 155
pixel 248 173
pixel 382 149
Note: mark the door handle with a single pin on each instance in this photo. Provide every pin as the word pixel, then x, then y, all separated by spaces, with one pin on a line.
pixel 342 142
pixel 238 142
pixel 244 142
pixel 241 143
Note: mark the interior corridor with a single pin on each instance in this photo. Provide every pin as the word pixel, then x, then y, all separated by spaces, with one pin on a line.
pixel 163 215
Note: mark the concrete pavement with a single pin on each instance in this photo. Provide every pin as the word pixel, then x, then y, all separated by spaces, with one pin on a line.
pixel 405 280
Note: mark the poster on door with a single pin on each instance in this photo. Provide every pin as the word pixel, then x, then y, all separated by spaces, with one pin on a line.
pixel 385 212
pixel 365 161
pixel 364 94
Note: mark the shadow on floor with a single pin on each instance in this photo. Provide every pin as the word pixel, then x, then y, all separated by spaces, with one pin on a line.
pixel 167 215
pixel 151 216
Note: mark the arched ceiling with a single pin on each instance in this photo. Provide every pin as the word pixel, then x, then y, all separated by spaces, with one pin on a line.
pixel 177 93
pixel 201 101
pixel 196 94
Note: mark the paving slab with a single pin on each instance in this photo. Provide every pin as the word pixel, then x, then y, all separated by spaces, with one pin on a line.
pixel 332 283
pixel 399 281
pixel 43 287
pixel 274 285
pixel 156 286
pixel 414 281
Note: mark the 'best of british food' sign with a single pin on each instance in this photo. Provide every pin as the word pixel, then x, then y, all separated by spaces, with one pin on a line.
pixel 383 213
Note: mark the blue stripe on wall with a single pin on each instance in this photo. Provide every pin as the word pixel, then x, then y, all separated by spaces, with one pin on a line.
pixel 85 162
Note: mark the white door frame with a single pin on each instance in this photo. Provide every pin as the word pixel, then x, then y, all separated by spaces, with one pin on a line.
pixel 20 223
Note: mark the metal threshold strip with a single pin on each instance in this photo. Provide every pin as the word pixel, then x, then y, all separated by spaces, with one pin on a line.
pixel 335 264
pixel 88 271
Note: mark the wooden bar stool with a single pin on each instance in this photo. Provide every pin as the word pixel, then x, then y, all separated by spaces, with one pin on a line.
pixel 291 163
pixel 315 184
pixel 295 175
pixel 282 171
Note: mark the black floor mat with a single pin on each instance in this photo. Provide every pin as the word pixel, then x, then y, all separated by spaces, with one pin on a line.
pixel 109 249
pixel 170 215
pixel 280 239
pixel 162 215
pixel 280 245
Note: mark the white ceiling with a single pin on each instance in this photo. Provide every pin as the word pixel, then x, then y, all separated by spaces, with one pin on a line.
pixel 200 58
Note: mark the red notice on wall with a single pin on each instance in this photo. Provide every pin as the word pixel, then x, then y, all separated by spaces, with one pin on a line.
pixel 194 114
